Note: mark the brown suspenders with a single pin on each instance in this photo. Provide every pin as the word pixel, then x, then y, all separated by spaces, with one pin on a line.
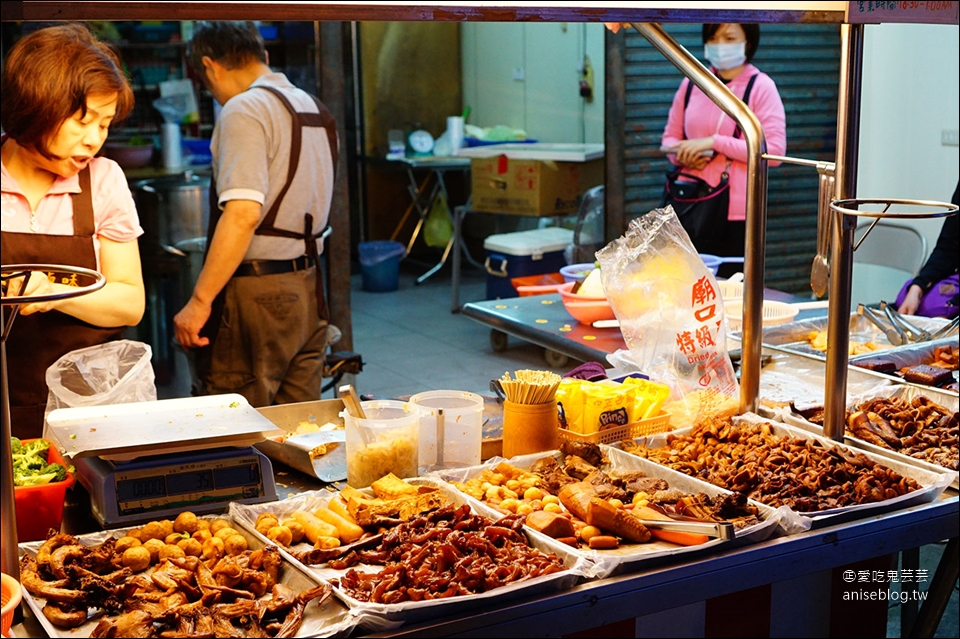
pixel 268 225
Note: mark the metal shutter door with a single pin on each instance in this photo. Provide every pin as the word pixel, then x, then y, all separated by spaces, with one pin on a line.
pixel 804 61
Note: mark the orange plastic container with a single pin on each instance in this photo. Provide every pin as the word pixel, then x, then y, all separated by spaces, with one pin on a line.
pixel 11 599
pixel 40 508
pixel 540 284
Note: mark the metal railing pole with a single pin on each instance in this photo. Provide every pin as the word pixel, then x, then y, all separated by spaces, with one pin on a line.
pixel 756 198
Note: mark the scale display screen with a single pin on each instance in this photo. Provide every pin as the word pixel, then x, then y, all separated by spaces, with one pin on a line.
pixel 146 489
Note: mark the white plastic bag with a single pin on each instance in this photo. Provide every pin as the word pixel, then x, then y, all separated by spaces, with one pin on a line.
pixel 671 316
pixel 117 372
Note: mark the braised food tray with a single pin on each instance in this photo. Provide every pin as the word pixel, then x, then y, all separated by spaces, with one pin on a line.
pixel 932 483
pixel 328 620
pixel 627 556
pixel 378 616
pixel 794 336
pixel 907 392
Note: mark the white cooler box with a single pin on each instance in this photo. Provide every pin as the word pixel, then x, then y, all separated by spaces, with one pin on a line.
pixel 510 255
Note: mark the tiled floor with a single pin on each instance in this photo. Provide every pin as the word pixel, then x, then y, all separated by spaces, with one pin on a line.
pixel 411 342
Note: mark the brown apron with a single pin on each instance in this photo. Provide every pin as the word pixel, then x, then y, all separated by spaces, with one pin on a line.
pixel 267 226
pixel 37 341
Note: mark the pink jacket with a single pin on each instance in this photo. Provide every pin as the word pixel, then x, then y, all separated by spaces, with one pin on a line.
pixel 704 118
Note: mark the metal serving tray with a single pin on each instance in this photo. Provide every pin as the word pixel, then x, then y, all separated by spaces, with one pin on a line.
pixel 949 401
pixel 907 356
pixel 374 616
pixel 321 454
pixel 932 482
pixel 608 562
pixel 331 619
pixel 798 379
pixel 792 337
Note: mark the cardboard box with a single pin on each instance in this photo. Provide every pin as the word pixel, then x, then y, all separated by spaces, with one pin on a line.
pixel 537 188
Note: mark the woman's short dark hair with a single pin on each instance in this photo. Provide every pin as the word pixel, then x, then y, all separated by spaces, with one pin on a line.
pixel 232 44
pixel 48 76
pixel 752 32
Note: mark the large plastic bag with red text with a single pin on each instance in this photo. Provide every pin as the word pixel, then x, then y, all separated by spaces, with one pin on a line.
pixel 671 316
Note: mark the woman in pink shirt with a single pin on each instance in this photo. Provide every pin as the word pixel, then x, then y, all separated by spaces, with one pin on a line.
pixel 60 204
pixel 706 142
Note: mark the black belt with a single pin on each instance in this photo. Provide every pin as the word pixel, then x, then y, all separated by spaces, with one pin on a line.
pixel 272 267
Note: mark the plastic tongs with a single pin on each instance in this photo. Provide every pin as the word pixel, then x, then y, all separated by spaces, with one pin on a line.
pixel 894 335
pixel 719 529
pixel 913 333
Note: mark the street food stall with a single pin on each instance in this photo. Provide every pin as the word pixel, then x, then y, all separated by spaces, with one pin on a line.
pixel 552 577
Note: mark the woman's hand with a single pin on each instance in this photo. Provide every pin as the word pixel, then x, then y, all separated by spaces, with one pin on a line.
pixel 690 153
pixel 37 284
pixel 912 301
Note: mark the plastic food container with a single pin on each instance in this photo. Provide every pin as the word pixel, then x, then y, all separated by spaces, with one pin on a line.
pixel 387 441
pixel 450 429
pixel 774 313
pixel 545 284
pixel 40 508
pixel 11 599
pixel 577 272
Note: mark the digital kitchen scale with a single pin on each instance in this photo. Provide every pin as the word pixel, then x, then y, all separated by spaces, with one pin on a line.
pixel 163 486
pixel 153 460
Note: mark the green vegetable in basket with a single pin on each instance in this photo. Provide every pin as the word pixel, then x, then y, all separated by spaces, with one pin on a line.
pixel 30 467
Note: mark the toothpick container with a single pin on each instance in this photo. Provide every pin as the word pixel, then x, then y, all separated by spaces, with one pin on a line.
pixel 529 428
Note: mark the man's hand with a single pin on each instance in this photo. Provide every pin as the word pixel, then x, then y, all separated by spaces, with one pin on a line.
pixel 912 301
pixel 690 152
pixel 188 322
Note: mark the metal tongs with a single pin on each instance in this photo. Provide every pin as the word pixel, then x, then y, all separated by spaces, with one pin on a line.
pixel 913 333
pixel 350 401
pixel 719 529
pixel 895 336
pixel 946 329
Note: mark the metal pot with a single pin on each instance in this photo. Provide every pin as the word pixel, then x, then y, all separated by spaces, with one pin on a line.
pixel 173 209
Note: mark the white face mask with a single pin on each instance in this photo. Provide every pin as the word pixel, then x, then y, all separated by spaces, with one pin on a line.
pixel 726 56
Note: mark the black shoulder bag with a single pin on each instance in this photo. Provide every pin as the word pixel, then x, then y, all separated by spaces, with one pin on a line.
pixel 702 209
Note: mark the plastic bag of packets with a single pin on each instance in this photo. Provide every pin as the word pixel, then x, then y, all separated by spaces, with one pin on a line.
pixel 610 408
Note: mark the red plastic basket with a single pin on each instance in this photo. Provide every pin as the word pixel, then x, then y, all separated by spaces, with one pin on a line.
pixel 40 508
pixel 539 284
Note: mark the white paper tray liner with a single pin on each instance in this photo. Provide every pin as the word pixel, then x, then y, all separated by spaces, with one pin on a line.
pixel 330 620
pixel 378 617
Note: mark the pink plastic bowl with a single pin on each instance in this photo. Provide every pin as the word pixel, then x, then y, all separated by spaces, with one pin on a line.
pixel 585 310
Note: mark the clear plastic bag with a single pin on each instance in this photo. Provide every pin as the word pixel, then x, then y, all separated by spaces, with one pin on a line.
pixel 671 316
pixel 117 372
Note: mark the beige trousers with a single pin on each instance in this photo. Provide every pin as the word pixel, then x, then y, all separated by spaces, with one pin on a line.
pixel 271 343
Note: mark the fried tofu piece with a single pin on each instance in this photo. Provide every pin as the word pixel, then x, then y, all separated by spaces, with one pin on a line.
pixel 392 487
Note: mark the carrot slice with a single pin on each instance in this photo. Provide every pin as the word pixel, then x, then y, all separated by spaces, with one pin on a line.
pixel 680 538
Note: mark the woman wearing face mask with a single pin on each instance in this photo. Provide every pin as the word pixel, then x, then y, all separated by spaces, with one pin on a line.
pixel 706 143
pixel 61 91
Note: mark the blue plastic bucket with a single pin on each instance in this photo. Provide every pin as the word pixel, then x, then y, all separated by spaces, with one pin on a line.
pixel 380 265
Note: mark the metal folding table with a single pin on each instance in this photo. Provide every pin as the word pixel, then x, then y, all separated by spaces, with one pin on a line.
pixel 423 195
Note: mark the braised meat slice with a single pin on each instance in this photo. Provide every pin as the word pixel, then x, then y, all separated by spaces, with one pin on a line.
pixel 636 481
pixel 587 451
pixel 551 474
pixel 577 467
pixel 606 486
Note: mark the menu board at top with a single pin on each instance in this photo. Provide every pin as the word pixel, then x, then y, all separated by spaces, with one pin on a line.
pixel 931 12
